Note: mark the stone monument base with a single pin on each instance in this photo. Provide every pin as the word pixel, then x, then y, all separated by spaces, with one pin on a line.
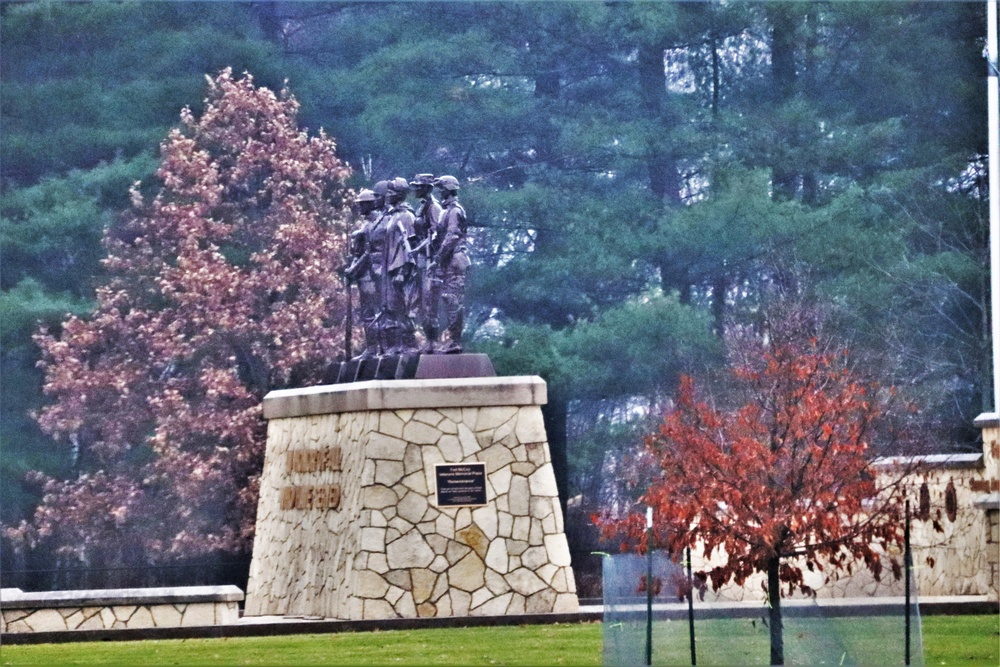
pixel 409 498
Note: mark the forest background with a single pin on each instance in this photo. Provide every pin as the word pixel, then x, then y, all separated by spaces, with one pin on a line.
pixel 640 178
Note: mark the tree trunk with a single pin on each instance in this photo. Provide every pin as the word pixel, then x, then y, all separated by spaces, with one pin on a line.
pixel 783 83
pixel 774 612
pixel 554 416
pixel 664 179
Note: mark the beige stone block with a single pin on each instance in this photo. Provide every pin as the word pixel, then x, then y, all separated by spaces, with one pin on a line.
pixel 377 519
pixel 486 519
pixel 541 602
pixel 474 537
pixel 437 543
pixel 123 612
pixel 517 547
pixel 226 613
pixel 525 582
pixel 391 424
pixel 381 446
pixel 543 482
pixel 378 563
pixel 410 550
pixel 198 614
pixel 412 507
pixel 379 497
pixel 505 524
pixel 440 588
pixel 427 416
pixel 496 583
pixel 489 418
pixel 530 427
pixel 143 618
pixel 73 618
pixel 45 620
pixel 377 610
pixel 431 457
pixel 107 617
pixel 456 551
pixel 405 607
pixel 394 595
pixel 479 597
pixel 423 581
pixel 461 602
pixel 468 574
pixel 426 610
pixel 497 557
pixel 444 607
pixel 503 504
pixel 520 453
pixel 547 573
pixel 534 558
pixel 165 616
pixel 496 458
pixel 516 605
pixel 370 585
pixel 566 603
pixel 400 578
pixel 463 519
pixel 391 534
pixel 451 448
pixel 18 626
pixel 558 549
pixel 417 482
pixel 468 441
pixel 542 507
pixel 94 621
pixel 440 564
pixel 537 452
pixel 445 526
pixel 420 433
pixel 496 606
pixel 400 525
pixel 519 497
pixel 537 534
pixel 453 415
pixel 373 539
pixel 522 529
pixel 412 461
pixel 501 481
pixel 524 468
pixel 388 473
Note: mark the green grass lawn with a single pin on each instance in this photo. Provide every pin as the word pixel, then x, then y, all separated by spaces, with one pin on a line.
pixel 948 640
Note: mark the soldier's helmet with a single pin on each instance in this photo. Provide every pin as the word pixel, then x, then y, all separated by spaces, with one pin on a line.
pixel 381 189
pixel 446 183
pixel 422 179
pixel 365 195
pixel 399 185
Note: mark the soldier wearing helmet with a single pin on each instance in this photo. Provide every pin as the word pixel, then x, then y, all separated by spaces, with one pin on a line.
pixel 448 267
pixel 361 270
pixel 427 215
pixel 392 234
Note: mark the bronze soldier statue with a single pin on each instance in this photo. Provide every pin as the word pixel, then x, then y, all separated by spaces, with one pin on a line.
pixel 447 270
pixel 425 225
pixel 361 270
pixel 397 230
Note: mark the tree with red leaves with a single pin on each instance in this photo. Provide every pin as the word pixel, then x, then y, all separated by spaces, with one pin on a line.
pixel 781 483
pixel 222 285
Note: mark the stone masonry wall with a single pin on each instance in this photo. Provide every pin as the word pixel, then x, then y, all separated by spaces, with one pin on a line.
pixel 387 550
pixel 120 616
pixel 952 561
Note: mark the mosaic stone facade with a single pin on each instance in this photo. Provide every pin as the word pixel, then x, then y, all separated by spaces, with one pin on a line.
pixel 386 549
pixel 119 609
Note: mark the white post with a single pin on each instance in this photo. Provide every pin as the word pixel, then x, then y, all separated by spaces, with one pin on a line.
pixel 994 173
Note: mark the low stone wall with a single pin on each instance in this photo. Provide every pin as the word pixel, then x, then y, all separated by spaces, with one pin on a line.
pixel 349 525
pixel 119 608
pixel 949 535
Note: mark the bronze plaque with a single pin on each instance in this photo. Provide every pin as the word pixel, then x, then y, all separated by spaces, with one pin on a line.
pixel 460 484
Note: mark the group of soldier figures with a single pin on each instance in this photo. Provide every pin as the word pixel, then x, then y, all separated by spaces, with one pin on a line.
pixel 410 266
